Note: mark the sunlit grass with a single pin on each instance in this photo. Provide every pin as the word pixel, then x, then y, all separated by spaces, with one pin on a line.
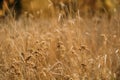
pixel 43 50
pixel 38 48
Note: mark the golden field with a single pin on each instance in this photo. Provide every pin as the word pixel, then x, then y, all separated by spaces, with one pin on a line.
pixel 47 48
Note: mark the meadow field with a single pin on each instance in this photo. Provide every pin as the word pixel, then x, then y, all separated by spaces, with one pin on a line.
pixel 44 48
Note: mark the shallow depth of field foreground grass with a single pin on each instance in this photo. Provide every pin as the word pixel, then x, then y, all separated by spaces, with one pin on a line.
pixel 77 49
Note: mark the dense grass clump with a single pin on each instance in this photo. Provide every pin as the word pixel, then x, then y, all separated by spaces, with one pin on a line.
pixel 46 48
pixel 77 49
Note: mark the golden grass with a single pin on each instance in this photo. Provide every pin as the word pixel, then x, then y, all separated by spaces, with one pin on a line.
pixel 45 48
pixel 78 49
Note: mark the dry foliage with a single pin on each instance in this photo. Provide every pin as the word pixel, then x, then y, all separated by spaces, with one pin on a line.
pixel 65 8
pixel 79 49
pixel 48 49
pixel 87 8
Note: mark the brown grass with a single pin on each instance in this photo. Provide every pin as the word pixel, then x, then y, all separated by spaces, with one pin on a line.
pixel 45 49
